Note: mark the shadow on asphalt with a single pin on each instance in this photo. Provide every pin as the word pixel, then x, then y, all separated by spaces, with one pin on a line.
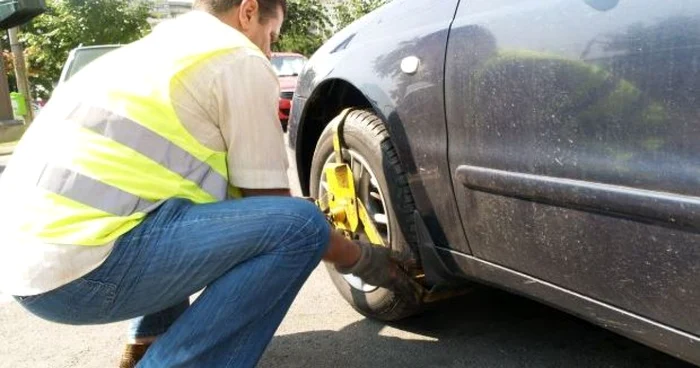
pixel 487 328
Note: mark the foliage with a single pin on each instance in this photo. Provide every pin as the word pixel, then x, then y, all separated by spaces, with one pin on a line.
pixel 306 28
pixel 310 23
pixel 69 23
pixel 349 10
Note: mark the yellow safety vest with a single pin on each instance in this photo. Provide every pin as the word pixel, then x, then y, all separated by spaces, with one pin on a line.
pixel 125 150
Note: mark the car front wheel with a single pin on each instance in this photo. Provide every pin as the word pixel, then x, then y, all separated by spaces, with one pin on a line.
pixel 382 186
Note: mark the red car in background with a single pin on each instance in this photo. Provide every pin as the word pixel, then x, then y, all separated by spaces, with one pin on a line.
pixel 288 66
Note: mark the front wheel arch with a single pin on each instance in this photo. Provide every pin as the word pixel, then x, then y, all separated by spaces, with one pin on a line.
pixel 327 101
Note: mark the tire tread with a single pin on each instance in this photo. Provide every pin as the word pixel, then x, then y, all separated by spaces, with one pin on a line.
pixel 403 202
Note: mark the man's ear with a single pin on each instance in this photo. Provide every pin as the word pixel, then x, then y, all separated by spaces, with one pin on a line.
pixel 247 13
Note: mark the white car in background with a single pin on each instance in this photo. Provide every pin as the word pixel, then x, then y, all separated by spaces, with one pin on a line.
pixel 82 56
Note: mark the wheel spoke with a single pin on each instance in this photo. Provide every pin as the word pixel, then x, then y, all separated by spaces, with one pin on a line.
pixel 357 172
pixel 368 191
pixel 381 219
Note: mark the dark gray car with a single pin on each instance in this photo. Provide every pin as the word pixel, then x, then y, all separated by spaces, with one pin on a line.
pixel 548 147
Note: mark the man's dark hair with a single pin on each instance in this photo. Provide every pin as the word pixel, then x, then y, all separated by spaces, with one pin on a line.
pixel 268 8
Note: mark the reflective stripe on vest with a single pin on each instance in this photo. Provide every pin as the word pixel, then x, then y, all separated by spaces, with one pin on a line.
pixel 139 138
pixel 91 192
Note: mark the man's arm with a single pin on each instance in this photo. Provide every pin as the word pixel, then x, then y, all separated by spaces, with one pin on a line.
pixel 247 108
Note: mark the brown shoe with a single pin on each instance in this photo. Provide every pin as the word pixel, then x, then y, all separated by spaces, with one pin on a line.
pixel 133 354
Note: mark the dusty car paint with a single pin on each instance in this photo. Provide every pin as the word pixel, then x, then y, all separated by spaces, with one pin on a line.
pixel 552 147
pixel 410 104
pixel 591 120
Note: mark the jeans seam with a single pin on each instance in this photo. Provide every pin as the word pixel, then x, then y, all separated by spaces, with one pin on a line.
pixel 128 240
pixel 27 301
pixel 109 292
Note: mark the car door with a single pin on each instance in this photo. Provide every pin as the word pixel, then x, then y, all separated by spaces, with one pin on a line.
pixel 574 143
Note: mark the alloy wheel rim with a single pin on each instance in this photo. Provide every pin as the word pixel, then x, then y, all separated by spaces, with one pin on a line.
pixel 371 194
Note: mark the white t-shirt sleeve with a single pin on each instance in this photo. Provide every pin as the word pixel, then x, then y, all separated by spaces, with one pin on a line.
pixel 247 102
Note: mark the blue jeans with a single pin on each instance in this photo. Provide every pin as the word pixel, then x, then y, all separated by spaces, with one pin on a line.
pixel 251 256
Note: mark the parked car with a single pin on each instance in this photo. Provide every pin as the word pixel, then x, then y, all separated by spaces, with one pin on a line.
pixel 80 57
pixel 288 66
pixel 549 148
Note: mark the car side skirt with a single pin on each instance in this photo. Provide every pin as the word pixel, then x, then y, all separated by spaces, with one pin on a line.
pixel 670 340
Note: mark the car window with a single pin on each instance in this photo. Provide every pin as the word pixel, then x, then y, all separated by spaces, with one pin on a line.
pixel 288 66
pixel 84 57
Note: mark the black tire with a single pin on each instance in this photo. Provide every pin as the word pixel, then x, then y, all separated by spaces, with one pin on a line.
pixel 365 134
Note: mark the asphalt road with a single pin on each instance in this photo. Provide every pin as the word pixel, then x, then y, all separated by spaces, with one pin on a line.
pixel 486 328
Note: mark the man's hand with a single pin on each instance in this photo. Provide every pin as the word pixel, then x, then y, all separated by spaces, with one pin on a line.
pixel 379 266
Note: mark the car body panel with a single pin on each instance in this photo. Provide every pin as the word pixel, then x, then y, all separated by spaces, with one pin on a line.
pixel 575 143
pixel 287 87
pixel 551 147
pixel 288 84
pixel 410 104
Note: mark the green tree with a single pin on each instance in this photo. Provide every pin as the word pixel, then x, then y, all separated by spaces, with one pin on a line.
pixel 69 23
pixel 306 28
pixel 310 23
pixel 348 11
